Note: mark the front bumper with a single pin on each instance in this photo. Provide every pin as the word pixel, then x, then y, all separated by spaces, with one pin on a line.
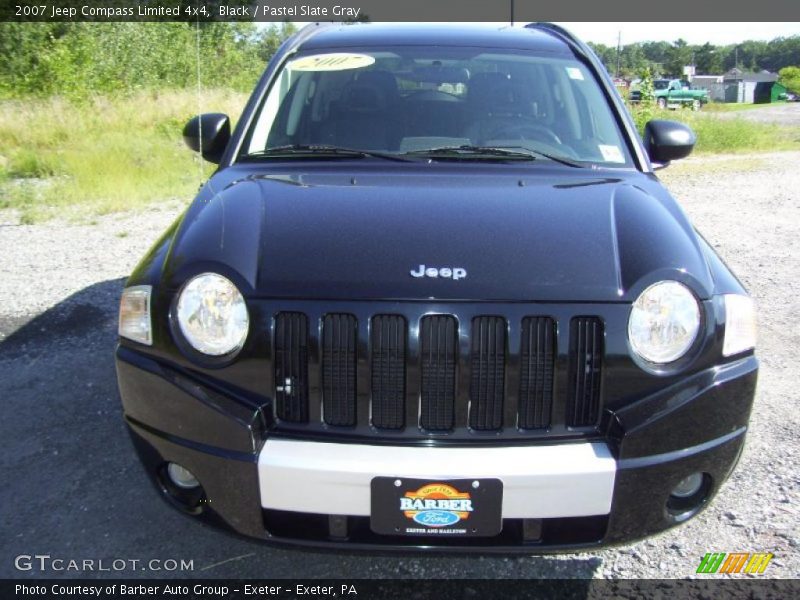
pixel 556 496
pixel 566 480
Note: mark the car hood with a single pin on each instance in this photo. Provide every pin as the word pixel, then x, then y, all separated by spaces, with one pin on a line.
pixel 560 236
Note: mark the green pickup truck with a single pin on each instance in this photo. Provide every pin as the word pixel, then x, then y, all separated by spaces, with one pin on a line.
pixel 674 93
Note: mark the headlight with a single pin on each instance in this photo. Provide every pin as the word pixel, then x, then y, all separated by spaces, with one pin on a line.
pixel 212 315
pixel 134 314
pixel 740 324
pixel 664 322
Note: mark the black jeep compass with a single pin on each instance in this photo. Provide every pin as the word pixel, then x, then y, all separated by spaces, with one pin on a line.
pixel 435 297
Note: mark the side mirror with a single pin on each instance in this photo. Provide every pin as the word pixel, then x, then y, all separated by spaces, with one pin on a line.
pixel 214 129
pixel 666 141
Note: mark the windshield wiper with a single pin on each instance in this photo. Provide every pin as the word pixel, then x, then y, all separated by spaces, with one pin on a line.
pixel 472 152
pixel 501 152
pixel 558 158
pixel 321 150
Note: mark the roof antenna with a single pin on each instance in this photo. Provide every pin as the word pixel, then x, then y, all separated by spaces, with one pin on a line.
pixel 199 105
pixel 512 12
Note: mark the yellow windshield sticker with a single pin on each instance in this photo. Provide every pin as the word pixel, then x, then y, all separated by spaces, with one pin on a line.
pixel 337 61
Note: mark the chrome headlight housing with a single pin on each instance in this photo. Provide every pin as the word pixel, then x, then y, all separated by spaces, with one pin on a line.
pixel 664 322
pixel 212 315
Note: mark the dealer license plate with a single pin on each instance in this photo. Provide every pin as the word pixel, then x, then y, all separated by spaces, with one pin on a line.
pixel 453 507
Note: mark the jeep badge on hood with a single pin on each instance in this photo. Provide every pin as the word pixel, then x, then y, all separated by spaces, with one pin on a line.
pixel 454 273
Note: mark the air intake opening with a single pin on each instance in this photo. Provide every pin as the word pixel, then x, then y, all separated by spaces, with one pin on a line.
pixel 537 363
pixel 388 361
pixel 291 367
pixel 438 356
pixel 339 337
pixel 585 371
pixel 488 370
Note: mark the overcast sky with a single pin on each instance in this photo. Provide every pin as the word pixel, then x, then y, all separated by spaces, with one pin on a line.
pixel 693 33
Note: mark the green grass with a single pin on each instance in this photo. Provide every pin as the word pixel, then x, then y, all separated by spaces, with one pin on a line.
pixel 738 135
pixel 717 135
pixel 726 107
pixel 101 156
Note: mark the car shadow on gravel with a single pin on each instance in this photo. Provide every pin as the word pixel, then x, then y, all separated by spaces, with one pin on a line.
pixel 73 489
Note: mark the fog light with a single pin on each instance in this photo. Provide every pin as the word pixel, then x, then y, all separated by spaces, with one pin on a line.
pixel 688 486
pixel 182 477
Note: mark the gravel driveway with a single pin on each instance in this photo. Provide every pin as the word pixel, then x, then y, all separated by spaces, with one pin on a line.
pixel 72 487
pixel 784 113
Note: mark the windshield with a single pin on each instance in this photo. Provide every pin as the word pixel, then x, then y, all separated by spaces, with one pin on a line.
pixel 661 84
pixel 406 101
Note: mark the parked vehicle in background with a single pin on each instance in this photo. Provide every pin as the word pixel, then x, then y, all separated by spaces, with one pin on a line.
pixel 674 93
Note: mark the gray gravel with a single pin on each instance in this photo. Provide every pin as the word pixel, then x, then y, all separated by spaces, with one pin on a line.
pixel 787 114
pixel 73 489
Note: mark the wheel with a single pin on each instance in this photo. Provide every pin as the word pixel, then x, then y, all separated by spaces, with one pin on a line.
pixel 662 103
pixel 696 105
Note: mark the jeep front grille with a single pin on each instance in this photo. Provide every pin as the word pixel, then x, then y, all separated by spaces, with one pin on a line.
pixel 417 374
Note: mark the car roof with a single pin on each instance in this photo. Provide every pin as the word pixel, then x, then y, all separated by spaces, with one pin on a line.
pixel 434 34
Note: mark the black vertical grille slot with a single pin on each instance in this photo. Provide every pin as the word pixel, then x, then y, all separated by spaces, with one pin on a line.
pixel 488 369
pixel 339 369
pixel 586 364
pixel 438 362
pixel 537 360
pixel 291 367
pixel 388 345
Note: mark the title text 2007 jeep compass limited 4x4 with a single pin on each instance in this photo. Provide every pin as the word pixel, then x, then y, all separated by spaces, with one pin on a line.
pixel 435 297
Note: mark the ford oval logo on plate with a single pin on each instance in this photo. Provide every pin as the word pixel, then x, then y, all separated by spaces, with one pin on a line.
pixel 436 518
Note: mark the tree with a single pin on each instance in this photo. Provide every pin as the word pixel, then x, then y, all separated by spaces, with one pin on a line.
pixel 789 77
pixel 708 60
pixel 656 51
pixel 272 37
pixel 607 55
pixel 644 111
pixel 80 59
pixel 633 60
pixel 678 56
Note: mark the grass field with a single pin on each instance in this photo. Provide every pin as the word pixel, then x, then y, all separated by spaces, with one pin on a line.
pixel 101 156
pixel 721 132
pixel 716 135
pixel 731 107
pixel 59 158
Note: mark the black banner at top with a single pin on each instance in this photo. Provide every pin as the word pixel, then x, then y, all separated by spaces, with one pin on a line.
pixel 398 10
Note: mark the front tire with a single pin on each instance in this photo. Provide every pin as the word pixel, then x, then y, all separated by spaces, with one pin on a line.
pixel 662 103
